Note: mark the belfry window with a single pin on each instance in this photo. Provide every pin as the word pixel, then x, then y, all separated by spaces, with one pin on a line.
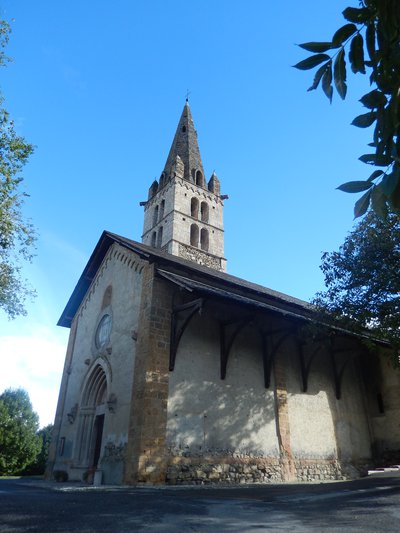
pixel 162 180
pixel 199 178
pixel 159 237
pixel 204 211
pixel 194 208
pixel 204 240
pixel 155 215
pixel 154 239
pixel 162 209
pixel 194 235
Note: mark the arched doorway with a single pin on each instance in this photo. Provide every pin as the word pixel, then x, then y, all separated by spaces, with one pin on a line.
pixel 92 417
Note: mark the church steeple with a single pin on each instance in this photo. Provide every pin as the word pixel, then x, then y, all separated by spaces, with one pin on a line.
pixel 184 214
pixel 186 146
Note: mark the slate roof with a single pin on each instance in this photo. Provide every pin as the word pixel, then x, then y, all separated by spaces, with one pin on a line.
pixel 185 145
pixel 177 266
pixel 199 278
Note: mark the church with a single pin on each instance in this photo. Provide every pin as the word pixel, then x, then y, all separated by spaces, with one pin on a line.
pixel 177 372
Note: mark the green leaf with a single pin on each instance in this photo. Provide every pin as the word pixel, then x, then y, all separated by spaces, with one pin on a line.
pixel 364 121
pixel 361 206
pixel 327 82
pixel 356 54
pixel 317 78
pixel 378 160
pixel 343 34
pixel 339 74
pixel 374 99
pixel 375 174
pixel 359 16
pixel 316 47
pixel 390 182
pixel 312 61
pixel 378 202
pixel 395 199
pixel 370 41
pixel 355 186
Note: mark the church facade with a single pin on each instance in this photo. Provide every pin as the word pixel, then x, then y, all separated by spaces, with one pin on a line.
pixel 177 372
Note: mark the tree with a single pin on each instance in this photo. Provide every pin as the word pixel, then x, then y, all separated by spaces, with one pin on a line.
pixel 19 442
pixel 39 464
pixel 362 279
pixel 17 236
pixel 371 38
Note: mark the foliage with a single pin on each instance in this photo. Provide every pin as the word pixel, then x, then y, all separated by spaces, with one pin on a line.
pixel 362 279
pixel 17 235
pixel 19 442
pixel 371 37
pixel 39 465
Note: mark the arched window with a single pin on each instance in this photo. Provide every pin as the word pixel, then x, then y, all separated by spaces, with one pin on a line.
pixel 107 297
pixel 204 211
pixel 162 209
pixel 194 208
pixel 155 215
pixel 154 239
pixel 194 235
pixel 199 178
pixel 159 237
pixel 204 239
pixel 162 180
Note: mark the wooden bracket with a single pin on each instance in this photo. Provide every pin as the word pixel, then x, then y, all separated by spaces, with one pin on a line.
pixel 180 318
pixel 228 333
pixel 305 362
pixel 269 349
pixel 337 368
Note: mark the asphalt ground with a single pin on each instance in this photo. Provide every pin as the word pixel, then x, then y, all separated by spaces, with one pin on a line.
pixel 369 505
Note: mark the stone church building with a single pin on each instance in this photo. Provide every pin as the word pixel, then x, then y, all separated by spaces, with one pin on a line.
pixel 177 372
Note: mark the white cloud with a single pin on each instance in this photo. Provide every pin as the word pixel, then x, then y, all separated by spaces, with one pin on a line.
pixel 35 363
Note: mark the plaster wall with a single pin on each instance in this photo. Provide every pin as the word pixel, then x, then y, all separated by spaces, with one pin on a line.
pixel 121 270
pixel 386 425
pixel 312 428
pixel 322 427
pixel 207 415
pixel 352 424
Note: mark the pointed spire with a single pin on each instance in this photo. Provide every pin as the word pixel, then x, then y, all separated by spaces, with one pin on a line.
pixel 185 146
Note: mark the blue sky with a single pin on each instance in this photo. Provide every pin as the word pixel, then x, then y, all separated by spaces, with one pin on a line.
pixel 98 87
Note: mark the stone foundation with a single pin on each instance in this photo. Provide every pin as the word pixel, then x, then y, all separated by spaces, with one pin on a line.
pixel 239 469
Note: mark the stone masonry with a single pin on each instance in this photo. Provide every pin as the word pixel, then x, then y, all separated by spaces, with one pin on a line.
pixel 146 454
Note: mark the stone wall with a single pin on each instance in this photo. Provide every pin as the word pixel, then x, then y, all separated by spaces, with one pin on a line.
pixel 146 455
pixel 177 220
pixel 201 258
pixel 116 290
pixel 239 468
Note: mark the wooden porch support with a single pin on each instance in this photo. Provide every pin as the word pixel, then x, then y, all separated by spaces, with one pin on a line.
pixel 269 349
pixel 305 362
pixel 337 368
pixel 180 318
pixel 228 333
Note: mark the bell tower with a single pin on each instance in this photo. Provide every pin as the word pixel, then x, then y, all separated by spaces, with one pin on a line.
pixel 183 214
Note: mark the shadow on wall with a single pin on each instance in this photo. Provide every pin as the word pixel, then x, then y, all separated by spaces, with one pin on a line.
pixel 207 414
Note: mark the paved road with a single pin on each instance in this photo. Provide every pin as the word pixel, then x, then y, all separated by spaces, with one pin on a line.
pixel 367 505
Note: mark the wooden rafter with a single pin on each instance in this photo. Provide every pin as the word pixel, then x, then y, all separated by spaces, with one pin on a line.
pixel 180 318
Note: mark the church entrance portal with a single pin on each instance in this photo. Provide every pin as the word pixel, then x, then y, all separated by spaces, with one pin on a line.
pixel 97 437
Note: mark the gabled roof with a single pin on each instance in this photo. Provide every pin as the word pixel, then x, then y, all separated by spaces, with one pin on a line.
pixel 201 279
pixel 175 266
